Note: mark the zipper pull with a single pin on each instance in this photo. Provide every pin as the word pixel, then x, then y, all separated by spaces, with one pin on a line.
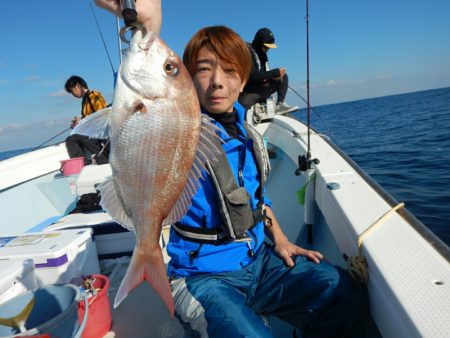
pixel 241 178
pixel 250 251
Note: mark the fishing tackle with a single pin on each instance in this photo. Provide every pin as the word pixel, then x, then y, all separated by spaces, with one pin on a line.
pixel 129 15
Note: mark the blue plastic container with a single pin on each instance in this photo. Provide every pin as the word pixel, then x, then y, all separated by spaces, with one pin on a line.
pixel 55 312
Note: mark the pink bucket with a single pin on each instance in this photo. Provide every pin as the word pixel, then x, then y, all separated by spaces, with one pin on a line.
pixel 72 166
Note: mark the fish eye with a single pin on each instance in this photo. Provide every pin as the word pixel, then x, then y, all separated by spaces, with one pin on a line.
pixel 170 68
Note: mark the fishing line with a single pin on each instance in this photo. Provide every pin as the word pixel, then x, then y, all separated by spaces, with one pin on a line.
pixel 316 113
pixel 39 146
pixel 101 35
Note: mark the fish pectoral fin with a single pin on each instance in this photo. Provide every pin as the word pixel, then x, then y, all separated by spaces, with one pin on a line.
pixel 95 125
pixel 112 203
pixel 18 321
pixel 149 267
pixel 208 148
pixel 139 106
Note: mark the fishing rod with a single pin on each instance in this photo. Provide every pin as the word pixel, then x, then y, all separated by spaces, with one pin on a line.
pixel 39 146
pixel 308 104
pixel 305 163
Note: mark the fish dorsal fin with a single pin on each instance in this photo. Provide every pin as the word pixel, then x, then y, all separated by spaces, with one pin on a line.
pixel 206 151
pixel 95 125
pixel 112 203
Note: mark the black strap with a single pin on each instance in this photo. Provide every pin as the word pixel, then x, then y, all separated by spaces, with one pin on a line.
pixel 88 99
pixel 200 235
pixel 214 236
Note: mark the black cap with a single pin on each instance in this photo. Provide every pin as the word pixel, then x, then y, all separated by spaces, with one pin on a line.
pixel 265 37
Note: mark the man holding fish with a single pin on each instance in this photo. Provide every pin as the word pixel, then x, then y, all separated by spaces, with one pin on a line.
pixel 224 277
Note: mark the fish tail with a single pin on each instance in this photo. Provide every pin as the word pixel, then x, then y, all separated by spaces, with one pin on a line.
pixel 18 321
pixel 149 267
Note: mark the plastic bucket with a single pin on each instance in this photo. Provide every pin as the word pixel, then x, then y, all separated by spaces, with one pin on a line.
pixel 72 166
pixel 54 312
pixel 99 320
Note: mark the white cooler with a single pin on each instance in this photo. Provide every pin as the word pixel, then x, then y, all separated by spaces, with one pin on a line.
pixel 16 277
pixel 59 256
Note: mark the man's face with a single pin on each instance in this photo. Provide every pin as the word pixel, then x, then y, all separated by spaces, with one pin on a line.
pixel 77 91
pixel 218 84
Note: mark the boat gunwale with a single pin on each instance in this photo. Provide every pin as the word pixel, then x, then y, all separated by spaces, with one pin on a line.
pixel 412 220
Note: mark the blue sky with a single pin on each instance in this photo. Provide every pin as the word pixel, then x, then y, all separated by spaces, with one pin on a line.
pixel 358 49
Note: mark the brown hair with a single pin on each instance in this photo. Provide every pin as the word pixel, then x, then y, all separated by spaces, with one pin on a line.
pixel 225 43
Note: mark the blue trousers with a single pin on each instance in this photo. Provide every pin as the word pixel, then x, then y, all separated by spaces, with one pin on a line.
pixel 319 299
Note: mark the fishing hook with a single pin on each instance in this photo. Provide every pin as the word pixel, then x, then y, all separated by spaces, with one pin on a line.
pixel 131 28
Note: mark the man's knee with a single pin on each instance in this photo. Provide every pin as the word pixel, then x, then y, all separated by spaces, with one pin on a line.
pixel 201 307
pixel 188 309
pixel 248 99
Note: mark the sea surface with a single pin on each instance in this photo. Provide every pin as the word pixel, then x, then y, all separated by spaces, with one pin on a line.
pixel 402 141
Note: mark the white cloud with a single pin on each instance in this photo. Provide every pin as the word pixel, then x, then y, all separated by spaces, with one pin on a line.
pixel 3 81
pixel 17 136
pixel 331 83
pixel 59 93
pixel 30 66
pixel 32 78
pixel 12 127
pixel 384 77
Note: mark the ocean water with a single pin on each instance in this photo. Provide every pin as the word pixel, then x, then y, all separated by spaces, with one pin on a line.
pixel 402 141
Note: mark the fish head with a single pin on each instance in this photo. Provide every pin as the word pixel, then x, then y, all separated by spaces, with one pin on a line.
pixel 153 75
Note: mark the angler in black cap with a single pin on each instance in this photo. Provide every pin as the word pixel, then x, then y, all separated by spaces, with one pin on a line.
pixel 263 82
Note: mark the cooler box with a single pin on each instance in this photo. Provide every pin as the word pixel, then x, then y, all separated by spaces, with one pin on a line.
pixel 59 256
pixel 16 277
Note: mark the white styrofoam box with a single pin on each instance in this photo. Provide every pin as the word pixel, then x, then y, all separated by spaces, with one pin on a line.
pixel 16 277
pixel 115 243
pixel 90 177
pixel 59 256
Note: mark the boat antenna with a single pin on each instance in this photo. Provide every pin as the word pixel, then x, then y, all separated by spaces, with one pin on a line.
pixel 101 35
pixel 308 103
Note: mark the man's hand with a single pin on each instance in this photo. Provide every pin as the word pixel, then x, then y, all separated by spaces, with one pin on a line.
pixel 286 250
pixel 282 72
pixel 75 122
pixel 148 12
pixel 282 247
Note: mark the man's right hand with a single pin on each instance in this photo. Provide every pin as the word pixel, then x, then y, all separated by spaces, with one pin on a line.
pixel 75 122
pixel 148 12
pixel 282 72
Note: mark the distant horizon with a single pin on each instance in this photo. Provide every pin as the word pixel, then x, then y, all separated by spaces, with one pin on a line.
pixel 378 97
pixel 28 148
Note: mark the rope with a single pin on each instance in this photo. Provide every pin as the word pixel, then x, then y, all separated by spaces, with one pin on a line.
pixel 357 266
